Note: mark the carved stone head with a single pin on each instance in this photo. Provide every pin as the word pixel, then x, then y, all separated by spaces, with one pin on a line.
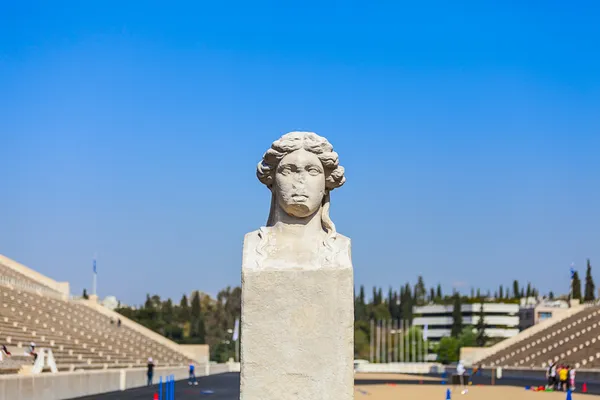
pixel 301 169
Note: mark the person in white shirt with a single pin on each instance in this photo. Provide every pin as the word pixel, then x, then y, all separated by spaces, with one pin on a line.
pixel 460 371
pixel 572 378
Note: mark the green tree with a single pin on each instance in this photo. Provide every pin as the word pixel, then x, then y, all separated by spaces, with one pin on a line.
pixel 576 286
pixel 481 339
pixel 448 350
pixel 438 294
pixel 529 292
pixel 184 310
pixel 516 291
pixel 589 284
pixel 431 295
pixel 467 337
pixel 457 324
pixel 420 292
pixel 360 308
pixel 381 312
pixel 197 330
pixel 551 295
pixel 361 340
pixel 406 304
pixel 501 292
pixel 85 295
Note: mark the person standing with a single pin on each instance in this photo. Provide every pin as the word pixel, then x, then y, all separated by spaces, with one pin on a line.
pixel 150 372
pixel 460 371
pixel 563 374
pixel 192 379
pixel 32 351
pixel 572 378
pixel 553 381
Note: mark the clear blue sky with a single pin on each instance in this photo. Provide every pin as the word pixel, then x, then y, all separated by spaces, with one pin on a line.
pixel 470 133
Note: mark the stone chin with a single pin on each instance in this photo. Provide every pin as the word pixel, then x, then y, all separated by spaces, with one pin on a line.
pixel 299 210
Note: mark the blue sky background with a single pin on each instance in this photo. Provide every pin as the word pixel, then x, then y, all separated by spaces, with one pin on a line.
pixel 470 134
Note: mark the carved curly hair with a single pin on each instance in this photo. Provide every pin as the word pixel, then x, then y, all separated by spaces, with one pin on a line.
pixel 309 141
pixel 318 145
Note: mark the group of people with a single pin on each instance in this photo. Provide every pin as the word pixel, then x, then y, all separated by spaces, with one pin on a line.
pixel 31 351
pixel 560 376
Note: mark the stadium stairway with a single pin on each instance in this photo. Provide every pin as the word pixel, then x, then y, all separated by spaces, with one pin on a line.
pixel 80 333
pixel 573 340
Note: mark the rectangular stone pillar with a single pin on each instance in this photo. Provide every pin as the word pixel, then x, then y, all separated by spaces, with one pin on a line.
pixel 297 333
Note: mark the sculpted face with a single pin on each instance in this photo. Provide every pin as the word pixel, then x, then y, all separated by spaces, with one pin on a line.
pixel 300 183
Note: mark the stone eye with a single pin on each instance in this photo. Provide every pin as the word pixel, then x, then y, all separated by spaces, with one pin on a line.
pixel 314 171
pixel 285 170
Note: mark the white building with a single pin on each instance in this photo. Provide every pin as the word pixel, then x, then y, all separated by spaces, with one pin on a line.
pixel 533 311
pixel 501 320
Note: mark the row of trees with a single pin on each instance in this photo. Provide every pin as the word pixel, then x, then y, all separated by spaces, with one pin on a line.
pixel 590 287
pixel 203 320
pixel 398 305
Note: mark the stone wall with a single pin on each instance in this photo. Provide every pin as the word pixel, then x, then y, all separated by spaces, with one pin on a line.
pixel 67 385
pixel 401 368
pixel 200 352
pixel 60 287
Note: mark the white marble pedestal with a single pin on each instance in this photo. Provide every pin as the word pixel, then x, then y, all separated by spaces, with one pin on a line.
pixel 297 333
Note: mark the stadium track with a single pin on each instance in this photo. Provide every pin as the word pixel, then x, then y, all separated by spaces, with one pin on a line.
pixel 226 387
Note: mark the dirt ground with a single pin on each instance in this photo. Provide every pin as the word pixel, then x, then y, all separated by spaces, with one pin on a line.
pixel 438 392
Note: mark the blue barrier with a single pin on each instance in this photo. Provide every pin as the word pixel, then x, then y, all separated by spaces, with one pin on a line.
pixel 160 388
pixel 169 388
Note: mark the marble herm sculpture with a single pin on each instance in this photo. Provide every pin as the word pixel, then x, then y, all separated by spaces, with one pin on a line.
pixel 297 331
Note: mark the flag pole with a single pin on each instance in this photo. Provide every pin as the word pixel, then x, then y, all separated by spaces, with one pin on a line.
pixel 371 341
pixel 94 279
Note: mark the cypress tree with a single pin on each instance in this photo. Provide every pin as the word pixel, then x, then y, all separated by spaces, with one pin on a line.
pixel 457 324
pixel 516 290
pixel 528 292
pixel 184 309
pixel 501 292
pixel 589 284
pixel 197 327
pixel 481 338
pixel 432 295
pixel 420 292
pixel 576 286
pixel 407 304
pixel 438 294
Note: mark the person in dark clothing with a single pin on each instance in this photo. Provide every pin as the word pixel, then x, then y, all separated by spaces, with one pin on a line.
pixel 119 323
pixel 5 351
pixel 150 372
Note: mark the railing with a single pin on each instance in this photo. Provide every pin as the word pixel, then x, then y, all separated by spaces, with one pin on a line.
pixel 27 286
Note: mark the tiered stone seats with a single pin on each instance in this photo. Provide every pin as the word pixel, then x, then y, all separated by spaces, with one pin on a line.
pixel 574 341
pixel 80 337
